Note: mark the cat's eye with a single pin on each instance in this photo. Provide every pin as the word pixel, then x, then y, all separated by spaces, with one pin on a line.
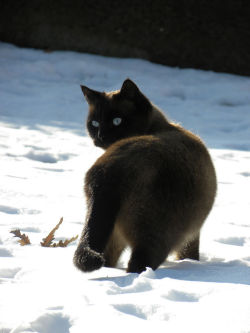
pixel 95 123
pixel 117 121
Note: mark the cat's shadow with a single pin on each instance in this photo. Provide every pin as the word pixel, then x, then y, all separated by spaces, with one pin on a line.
pixel 215 271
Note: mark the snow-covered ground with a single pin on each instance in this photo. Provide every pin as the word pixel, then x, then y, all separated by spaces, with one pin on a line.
pixel 44 154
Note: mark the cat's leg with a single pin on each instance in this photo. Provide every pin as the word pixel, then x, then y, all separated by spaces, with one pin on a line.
pixel 114 248
pixel 147 256
pixel 190 250
pixel 103 205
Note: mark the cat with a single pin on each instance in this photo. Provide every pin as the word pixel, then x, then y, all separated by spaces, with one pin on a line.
pixel 152 188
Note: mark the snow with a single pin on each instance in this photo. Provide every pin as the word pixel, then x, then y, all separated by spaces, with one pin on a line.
pixel 44 155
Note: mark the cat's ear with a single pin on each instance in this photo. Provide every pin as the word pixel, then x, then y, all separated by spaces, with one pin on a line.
pixel 129 89
pixel 91 96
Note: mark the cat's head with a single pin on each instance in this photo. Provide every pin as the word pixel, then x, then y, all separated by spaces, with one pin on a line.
pixel 118 114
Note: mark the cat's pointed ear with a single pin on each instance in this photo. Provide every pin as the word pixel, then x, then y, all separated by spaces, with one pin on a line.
pixel 91 96
pixel 129 89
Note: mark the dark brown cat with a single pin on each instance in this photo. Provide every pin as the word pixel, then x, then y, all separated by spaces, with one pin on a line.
pixel 151 190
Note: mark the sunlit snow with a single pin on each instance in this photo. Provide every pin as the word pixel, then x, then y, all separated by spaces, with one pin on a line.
pixel 45 153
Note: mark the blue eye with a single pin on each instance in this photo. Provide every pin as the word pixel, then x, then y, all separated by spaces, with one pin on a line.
pixel 117 121
pixel 95 123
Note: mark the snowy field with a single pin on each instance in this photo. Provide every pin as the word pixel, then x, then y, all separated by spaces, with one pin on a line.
pixel 44 155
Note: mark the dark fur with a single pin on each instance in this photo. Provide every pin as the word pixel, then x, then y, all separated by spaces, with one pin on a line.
pixel 151 190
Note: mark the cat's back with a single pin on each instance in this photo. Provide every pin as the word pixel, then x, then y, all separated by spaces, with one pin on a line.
pixel 172 170
pixel 175 159
pixel 173 148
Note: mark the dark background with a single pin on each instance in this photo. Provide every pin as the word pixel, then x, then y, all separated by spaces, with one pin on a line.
pixel 212 35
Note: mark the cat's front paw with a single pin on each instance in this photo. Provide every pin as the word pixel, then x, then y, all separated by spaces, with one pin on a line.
pixel 88 260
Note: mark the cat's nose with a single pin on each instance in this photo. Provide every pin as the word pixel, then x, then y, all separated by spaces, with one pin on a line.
pixel 101 136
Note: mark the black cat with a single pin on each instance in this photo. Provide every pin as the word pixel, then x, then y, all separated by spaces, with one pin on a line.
pixel 151 190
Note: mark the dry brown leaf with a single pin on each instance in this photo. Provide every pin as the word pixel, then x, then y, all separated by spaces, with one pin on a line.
pixel 65 243
pixel 24 239
pixel 47 241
